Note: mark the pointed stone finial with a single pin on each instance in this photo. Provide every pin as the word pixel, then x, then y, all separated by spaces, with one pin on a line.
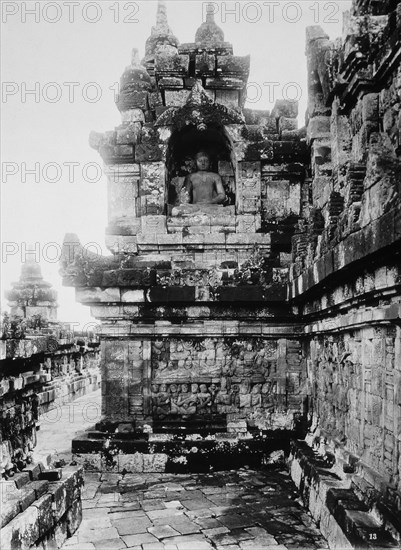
pixel 135 61
pixel 161 33
pixel 32 295
pixel 209 33
pixel 134 77
pixel 210 14
pixel 161 17
pixel 31 270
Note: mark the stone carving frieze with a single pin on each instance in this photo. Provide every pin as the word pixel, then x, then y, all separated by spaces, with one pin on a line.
pixel 178 360
pixel 191 400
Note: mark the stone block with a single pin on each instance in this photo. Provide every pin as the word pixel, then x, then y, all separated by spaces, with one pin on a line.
pixel 10 507
pixel 155 100
pixel 172 294
pixel 228 98
pixel 170 83
pixel 287 124
pixel 224 83
pixel 240 294
pixel 44 506
pixel 225 168
pixel 205 64
pixel 233 65
pixel 74 517
pixel 22 478
pixel 290 151
pixel 370 107
pixel 40 487
pixel 199 229
pixel 130 463
pixel 250 174
pixel 153 225
pixel 171 64
pixel 211 94
pixel 148 152
pixel 132 115
pixel 129 134
pixel 154 462
pixel 122 196
pixel 257 117
pixel 176 98
pixel 119 244
pixel 132 296
pixel 23 531
pixel 277 195
pixel 132 99
pixel 262 150
pixel 88 295
pixel 318 128
pixel 128 278
pixel 152 190
pixel 248 223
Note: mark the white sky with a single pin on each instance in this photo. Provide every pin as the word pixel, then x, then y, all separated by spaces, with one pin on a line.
pixel 79 57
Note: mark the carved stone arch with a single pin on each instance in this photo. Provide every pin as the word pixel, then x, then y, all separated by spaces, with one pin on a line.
pixel 199 125
pixel 183 145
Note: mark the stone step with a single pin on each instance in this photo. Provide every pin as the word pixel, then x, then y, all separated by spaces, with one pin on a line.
pixel 345 520
pixel 41 510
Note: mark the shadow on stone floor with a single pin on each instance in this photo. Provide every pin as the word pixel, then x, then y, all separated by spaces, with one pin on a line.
pixel 223 510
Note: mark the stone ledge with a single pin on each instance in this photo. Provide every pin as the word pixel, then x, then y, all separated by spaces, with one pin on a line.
pixel 361 245
pixel 165 452
pixel 211 328
pixel 41 513
pixel 345 322
pixel 344 520
pixel 379 492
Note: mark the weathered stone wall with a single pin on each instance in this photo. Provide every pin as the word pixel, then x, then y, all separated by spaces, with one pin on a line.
pixel 356 384
pixel 345 275
pixel 36 377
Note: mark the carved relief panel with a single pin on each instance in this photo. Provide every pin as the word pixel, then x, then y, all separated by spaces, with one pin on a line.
pixel 216 376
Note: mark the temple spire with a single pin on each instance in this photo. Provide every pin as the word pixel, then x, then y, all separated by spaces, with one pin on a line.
pixel 209 33
pixel 162 26
pixel 161 34
pixel 210 14
pixel 161 15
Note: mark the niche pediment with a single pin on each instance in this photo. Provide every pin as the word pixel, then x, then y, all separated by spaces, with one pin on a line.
pixel 199 111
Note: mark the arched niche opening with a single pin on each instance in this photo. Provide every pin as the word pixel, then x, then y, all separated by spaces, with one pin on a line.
pixel 184 144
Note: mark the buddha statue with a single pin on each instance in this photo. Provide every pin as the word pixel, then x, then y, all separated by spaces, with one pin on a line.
pixel 202 188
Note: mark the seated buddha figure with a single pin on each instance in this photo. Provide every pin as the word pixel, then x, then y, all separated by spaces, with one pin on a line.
pixel 201 188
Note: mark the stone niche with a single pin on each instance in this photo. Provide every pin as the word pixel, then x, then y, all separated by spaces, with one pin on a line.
pixel 193 132
pixel 183 146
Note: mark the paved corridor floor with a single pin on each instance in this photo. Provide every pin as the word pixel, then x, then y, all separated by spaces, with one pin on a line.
pixel 230 510
pixel 60 425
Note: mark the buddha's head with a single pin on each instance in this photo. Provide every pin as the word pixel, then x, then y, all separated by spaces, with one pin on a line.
pixel 202 160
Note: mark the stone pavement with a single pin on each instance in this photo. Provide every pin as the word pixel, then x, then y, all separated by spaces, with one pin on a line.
pixel 60 425
pixel 232 510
